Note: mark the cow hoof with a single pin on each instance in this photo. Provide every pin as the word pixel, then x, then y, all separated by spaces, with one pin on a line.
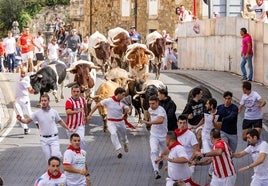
pixel 104 128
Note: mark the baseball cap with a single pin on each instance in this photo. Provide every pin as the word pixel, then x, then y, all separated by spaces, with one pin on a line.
pixel 73 30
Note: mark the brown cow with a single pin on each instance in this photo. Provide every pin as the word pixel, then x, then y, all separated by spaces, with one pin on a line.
pixel 119 40
pixel 99 48
pixel 138 57
pixel 85 77
pixel 156 43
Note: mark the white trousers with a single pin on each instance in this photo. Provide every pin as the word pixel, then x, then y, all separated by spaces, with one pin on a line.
pixel 228 181
pixel 258 182
pixel 117 130
pixel 23 105
pixel 51 146
pixel 157 145
pixel 80 130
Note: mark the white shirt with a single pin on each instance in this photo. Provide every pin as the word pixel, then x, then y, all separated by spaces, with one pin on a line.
pixel 47 120
pixel 39 41
pixel 259 10
pixel 208 124
pixel 78 161
pixel 260 171
pixel 10 45
pixel 251 102
pixel 158 130
pixel 188 140
pixel 22 87
pixel 178 171
pixel 115 109
pixel 53 51
pixel 45 180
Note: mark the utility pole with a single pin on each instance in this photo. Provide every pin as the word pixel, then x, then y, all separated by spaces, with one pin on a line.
pixel 136 13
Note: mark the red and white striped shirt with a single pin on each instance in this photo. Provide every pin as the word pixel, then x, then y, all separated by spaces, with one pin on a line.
pixel 223 165
pixel 75 120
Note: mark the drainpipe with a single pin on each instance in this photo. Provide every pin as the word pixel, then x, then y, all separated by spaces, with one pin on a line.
pixel 90 17
pixel 195 7
pixel 135 13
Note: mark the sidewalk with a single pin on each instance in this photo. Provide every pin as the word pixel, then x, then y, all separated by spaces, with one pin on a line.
pixel 223 81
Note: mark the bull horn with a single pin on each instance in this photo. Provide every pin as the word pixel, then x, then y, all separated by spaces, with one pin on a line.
pixel 96 46
pixel 39 75
pixel 140 92
pixel 127 54
pixel 152 56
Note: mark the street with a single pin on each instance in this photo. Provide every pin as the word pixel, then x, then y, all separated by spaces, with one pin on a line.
pixel 22 160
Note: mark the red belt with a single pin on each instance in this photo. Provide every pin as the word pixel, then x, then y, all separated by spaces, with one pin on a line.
pixel 122 119
pixel 189 180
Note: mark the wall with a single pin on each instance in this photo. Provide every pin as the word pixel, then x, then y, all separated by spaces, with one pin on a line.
pixel 218 46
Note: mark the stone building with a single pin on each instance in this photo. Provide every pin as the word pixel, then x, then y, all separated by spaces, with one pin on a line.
pixel 89 16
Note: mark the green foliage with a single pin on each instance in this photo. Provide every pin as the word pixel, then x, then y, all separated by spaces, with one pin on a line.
pixel 34 9
pixel 24 19
pixel 57 2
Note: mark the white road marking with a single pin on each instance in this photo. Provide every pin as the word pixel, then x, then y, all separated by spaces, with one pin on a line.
pixel 10 127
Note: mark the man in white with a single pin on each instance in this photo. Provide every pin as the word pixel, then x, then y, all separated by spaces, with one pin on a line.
pixel 178 168
pixel 10 46
pixel 260 10
pixel 22 100
pixel 253 103
pixel 158 123
pixel 258 150
pixel 47 119
pixel 53 50
pixel 39 49
pixel 187 138
pixel 53 176
pixel 116 112
pixel 74 163
pixel 211 119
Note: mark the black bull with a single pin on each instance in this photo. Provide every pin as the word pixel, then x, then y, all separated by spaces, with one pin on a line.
pixel 48 78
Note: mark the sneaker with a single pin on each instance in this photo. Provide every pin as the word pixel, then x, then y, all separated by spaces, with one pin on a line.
pixel 249 79
pixel 26 131
pixel 160 164
pixel 119 154
pixel 125 147
pixel 156 175
pixel 244 79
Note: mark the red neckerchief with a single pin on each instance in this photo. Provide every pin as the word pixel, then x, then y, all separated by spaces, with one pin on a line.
pixel 115 99
pixel 245 35
pixel 51 176
pixel 179 132
pixel 174 145
pixel 75 150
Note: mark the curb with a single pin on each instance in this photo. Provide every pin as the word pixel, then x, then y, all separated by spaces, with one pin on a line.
pixel 4 114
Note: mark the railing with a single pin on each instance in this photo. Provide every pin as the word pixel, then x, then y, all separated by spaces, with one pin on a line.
pixel 218 46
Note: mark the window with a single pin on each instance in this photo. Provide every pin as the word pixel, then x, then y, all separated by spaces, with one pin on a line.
pixel 125 8
pixel 153 7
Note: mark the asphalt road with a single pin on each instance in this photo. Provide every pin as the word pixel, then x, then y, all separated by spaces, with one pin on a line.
pixel 22 160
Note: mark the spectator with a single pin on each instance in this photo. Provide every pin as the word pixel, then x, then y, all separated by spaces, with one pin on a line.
pixel 53 50
pixel 39 51
pixel 73 43
pixel 228 112
pixel 2 56
pixel 84 49
pixel 185 15
pixel 22 99
pixel 258 149
pixel 134 35
pixel 74 163
pixel 47 119
pixel 226 174
pixel 246 55
pixel 27 43
pixel 253 103
pixel 260 10
pixel 196 27
pixel 170 107
pixel 10 47
pixel 158 123
pixel 53 176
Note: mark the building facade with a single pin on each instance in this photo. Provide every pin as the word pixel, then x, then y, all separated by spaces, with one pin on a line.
pixel 89 16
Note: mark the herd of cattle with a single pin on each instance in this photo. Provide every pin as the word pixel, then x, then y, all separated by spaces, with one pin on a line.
pixel 122 64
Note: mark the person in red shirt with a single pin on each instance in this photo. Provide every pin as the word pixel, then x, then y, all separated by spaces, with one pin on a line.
pixel 2 55
pixel 27 44
pixel 246 55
